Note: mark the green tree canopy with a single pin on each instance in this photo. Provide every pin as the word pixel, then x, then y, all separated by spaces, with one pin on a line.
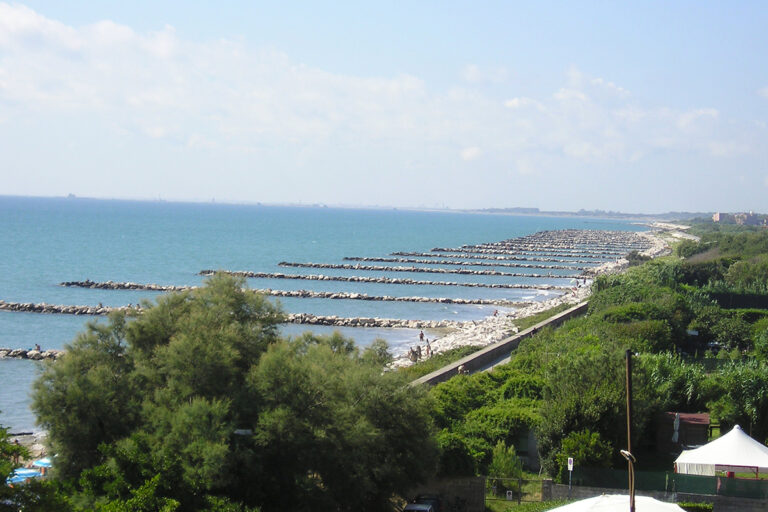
pixel 199 402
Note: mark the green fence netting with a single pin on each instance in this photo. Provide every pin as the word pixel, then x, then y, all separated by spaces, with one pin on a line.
pixel 671 482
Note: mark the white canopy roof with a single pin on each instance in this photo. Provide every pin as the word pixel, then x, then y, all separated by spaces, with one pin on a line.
pixel 618 503
pixel 734 451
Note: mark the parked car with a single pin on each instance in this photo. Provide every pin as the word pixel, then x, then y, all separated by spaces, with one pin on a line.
pixel 418 507
pixel 429 499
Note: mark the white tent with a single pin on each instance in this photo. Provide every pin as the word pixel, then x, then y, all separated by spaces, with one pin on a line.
pixel 734 451
pixel 618 503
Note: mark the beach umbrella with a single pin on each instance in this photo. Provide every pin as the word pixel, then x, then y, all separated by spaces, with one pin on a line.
pixel 15 479
pixel 43 463
pixel 618 503
pixel 26 472
pixel 20 475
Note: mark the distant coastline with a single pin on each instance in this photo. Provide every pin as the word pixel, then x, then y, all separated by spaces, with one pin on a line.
pixel 519 211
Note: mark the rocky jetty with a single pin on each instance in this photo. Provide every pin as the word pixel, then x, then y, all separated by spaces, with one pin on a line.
pixel 126 285
pixel 488 256
pixel 301 294
pixel 426 270
pixel 495 328
pixel 534 257
pixel 305 318
pixel 32 307
pixel 34 355
pixel 387 280
pixel 463 263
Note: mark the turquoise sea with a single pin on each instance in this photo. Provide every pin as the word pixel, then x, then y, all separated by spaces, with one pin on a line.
pixel 44 241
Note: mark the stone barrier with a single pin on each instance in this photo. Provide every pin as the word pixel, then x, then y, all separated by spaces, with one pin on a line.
pixel 296 318
pixel 534 257
pixel 427 270
pixel 463 263
pixel 301 294
pixel 488 256
pixel 34 355
pixel 386 280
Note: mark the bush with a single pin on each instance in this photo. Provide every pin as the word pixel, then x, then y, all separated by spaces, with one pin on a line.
pixel 504 466
pixel 695 507
pixel 588 450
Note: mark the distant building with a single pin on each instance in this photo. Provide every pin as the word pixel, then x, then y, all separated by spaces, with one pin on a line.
pixel 676 431
pixel 724 218
pixel 747 219
pixel 742 219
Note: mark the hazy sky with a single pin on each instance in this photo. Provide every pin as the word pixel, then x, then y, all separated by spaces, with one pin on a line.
pixel 633 106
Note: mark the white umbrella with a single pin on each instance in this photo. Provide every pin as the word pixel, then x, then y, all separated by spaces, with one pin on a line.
pixel 618 503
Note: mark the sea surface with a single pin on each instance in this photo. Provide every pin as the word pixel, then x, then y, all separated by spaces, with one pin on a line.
pixel 45 241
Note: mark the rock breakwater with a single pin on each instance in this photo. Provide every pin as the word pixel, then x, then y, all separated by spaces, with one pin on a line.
pixel 534 257
pixel 426 270
pixel 302 294
pixel 59 309
pixel 34 355
pixel 387 280
pixel 463 263
pixel 495 257
pixel 296 318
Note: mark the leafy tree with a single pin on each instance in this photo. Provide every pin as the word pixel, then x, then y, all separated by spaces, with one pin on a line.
pixel 587 448
pixel 87 397
pixel 198 402
pixel 584 392
pixel 455 398
pixel 377 353
pixel 456 456
pixel 738 394
pixel 35 495
pixel 674 384
pixel 505 465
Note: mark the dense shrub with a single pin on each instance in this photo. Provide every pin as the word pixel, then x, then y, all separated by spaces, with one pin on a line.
pixel 587 449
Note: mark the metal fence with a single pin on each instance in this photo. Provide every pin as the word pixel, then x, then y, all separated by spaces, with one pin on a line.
pixel 512 489
pixel 672 482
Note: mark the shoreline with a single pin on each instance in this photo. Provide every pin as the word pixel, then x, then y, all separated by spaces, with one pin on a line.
pixel 493 329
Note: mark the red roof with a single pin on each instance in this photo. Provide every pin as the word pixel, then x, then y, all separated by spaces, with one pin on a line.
pixel 697 418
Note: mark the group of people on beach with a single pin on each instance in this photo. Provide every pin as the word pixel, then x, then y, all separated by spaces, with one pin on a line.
pixel 415 354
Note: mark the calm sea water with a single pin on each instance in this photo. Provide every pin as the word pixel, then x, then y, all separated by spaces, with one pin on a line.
pixel 44 241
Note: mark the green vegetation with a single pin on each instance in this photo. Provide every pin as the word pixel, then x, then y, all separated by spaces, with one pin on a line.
pixel 436 362
pixel 695 507
pixel 197 404
pixel 512 506
pixel 36 495
pixel 530 321
pixel 567 384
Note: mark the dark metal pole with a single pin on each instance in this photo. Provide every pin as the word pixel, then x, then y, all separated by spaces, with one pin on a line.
pixel 629 432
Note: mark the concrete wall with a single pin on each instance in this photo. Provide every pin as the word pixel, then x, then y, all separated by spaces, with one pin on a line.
pixel 498 352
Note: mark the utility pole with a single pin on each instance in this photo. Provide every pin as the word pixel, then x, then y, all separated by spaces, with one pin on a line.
pixel 628 455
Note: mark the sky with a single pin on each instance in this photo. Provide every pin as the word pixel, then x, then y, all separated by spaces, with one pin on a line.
pixel 645 107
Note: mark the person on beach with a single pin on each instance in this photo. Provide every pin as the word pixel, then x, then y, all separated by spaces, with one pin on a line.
pixel 421 336
pixel 16 452
pixel 429 349
pixel 418 351
pixel 37 347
